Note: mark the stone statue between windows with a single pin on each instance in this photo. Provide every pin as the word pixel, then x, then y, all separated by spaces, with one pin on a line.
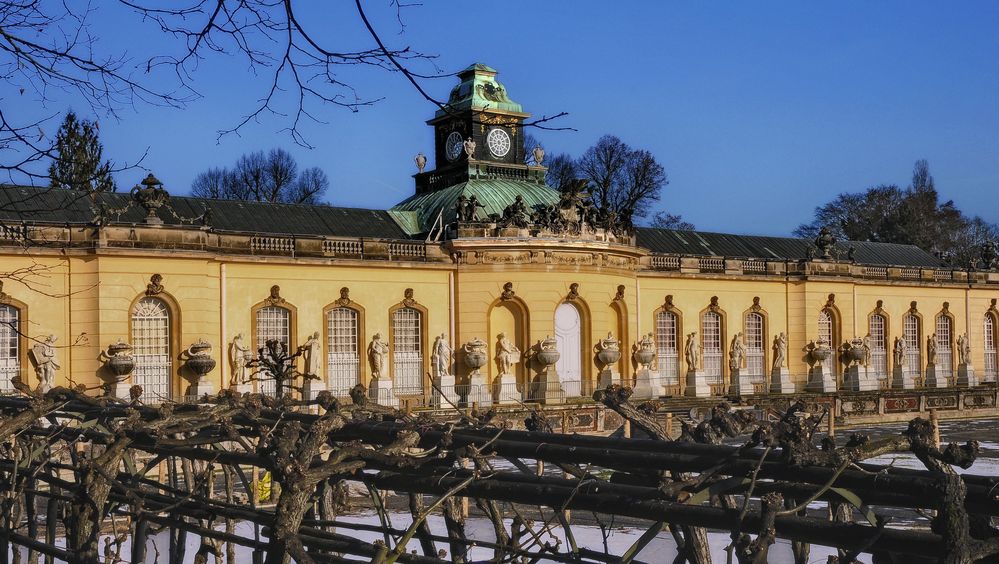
pixel 931 350
pixel 440 359
pixel 46 363
pixel 507 354
pixel 964 349
pixel 377 355
pixel 899 351
pixel 313 355
pixel 737 352
pixel 780 351
pixel 239 356
pixel 692 352
pixel 866 345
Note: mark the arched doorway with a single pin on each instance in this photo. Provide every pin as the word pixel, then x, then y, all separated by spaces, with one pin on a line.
pixel 568 338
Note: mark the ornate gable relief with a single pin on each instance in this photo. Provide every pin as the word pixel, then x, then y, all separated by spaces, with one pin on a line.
pixel 495 257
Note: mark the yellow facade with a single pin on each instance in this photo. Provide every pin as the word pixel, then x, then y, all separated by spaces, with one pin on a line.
pixel 466 289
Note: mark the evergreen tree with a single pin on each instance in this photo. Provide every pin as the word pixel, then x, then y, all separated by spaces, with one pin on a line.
pixel 78 163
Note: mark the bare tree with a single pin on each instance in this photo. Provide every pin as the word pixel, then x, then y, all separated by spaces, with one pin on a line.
pixel 666 220
pixel 913 216
pixel 270 177
pixel 623 180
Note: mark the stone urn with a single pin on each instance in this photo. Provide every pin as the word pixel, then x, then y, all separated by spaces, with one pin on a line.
pixel 548 353
pixel 608 357
pixel 199 359
pixel 644 357
pixel 120 362
pixel 475 355
pixel 820 352
pixel 854 351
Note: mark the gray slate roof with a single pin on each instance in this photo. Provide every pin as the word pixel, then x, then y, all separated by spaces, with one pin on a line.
pixel 56 206
pixel 45 205
pixel 777 248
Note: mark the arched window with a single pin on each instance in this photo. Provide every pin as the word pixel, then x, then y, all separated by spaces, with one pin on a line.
pixel 151 332
pixel 711 339
pixel 945 362
pixel 754 330
pixel 273 323
pixel 912 335
pixel 666 348
pixel 877 325
pixel 827 333
pixel 407 351
pixel 10 346
pixel 990 348
pixel 343 366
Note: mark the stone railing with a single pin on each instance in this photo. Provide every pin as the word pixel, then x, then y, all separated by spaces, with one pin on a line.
pixel 876 272
pixel 711 264
pixel 195 239
pixel 407 251
pixel 687 264
pixel 343 247
pixel 279 245
pixel 665 262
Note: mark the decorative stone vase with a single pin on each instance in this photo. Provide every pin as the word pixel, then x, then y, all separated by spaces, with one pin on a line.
pixel 854 351
pixel 820 353
pixel 199 360
pixel 120 362
pixel 607 357
pixel 644 357
pixel 548 355
pixel 475 359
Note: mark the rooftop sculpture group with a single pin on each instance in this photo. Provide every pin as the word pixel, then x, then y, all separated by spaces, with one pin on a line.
pixel 573 214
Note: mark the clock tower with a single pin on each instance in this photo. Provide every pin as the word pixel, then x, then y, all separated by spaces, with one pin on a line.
pixel 478 109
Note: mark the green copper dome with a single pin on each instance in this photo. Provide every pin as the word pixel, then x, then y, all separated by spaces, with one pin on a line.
pixel 494 193
pixel 480 90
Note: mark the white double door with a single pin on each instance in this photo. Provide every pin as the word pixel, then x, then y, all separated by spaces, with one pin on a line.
pixel 568 338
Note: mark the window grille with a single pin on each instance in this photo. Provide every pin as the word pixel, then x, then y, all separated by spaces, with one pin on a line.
pixel 990 349
pixel 913 345
pixel 342 361
pixel 407 351
pixel 754 347
pixel 879 346
pixel 944 352
pixel 826 334
pixel 712 347
pixel 10 354
pixel 151 348
pixel 666 351
pixel 273 324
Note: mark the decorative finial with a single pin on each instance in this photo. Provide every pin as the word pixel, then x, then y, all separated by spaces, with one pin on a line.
pixel 421 161
pixel 469 146
pixel 539 155
pixel 151 196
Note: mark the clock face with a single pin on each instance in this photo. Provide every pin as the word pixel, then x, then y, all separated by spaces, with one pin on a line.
pixel 453 146
pixel 499 142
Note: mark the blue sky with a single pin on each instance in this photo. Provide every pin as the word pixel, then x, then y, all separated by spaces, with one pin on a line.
pixel 759 111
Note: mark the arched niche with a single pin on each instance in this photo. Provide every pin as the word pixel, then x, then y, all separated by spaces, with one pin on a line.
pixel 510 317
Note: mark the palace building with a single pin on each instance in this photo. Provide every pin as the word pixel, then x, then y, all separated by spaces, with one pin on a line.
pixel 485 285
